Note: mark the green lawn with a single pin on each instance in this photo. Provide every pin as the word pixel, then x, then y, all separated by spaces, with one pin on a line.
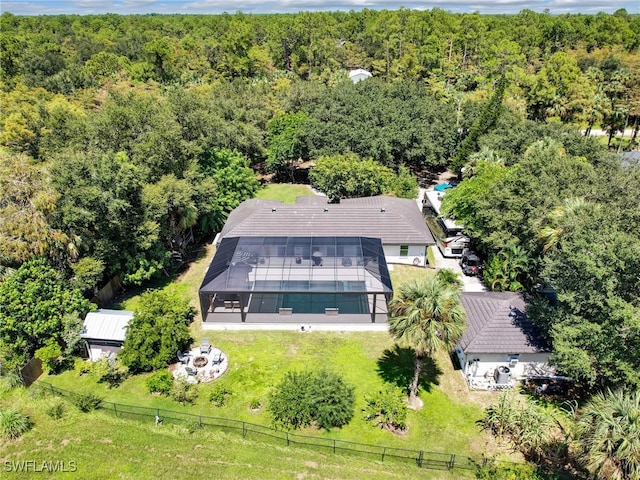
pixel 102 446
pixel 258 360
pixel 284 192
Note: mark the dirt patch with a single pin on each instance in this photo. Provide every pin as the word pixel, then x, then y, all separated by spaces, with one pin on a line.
pixel 310 464
pixel 64 442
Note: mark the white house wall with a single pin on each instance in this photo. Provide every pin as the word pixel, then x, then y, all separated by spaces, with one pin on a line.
pixel 96 352
pixel 392 254
pixel 479 365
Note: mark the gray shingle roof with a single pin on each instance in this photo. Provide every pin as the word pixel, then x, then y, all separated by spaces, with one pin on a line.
pixel 395 221
pixel 497 323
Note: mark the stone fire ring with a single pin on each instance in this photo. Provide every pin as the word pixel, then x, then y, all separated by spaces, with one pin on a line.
pixel 200 361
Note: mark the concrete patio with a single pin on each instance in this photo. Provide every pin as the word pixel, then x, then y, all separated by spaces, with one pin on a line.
pixel 208 366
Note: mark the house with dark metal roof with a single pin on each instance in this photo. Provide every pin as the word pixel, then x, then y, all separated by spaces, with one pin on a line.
pixel 500 343
pixel 311 261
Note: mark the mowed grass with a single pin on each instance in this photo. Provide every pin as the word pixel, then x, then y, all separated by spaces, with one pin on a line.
pixel 285 192
pixel 102 446
pixel 367 360
pixel 258 361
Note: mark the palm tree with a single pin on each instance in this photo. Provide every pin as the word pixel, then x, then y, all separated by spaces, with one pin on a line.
pixel 607 435
pixel 557 221
pixel 426 316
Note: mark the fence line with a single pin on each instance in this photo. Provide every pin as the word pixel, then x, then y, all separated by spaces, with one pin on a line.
pixel 423 459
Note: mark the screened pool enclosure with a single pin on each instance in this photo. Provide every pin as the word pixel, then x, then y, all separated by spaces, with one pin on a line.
pixel 293 279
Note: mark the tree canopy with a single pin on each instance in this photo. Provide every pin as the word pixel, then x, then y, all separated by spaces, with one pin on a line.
pixel 158 330
pixel 38 308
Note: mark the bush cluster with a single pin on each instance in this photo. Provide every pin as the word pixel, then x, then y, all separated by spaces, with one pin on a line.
pixel 307 397
pixel 87 402
pixel 13 424
pixel 218 397
pixel 387 409
pixel 184 392
pixel 160 382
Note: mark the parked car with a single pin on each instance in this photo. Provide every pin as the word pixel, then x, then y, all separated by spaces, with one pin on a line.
pixel 470 263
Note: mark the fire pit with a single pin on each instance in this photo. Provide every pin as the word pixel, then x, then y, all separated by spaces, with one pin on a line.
pixel 200 361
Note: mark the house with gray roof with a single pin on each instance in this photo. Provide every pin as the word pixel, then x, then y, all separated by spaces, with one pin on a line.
pixel 311 261
pixel 500 343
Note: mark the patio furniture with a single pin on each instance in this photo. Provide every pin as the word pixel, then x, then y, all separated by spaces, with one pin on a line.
pixel 183 357
pixel 191 371
pixel 205 346
pixel 217 358
pixel 228 305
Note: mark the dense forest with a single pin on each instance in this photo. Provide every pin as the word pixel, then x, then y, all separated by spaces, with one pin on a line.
pixel 123 138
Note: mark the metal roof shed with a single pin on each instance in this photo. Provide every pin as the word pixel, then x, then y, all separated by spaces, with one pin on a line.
pixel 104 331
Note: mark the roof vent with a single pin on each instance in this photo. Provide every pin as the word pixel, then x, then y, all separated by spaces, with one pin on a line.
pixel 326 210
pixel 273 210
pixel 383 210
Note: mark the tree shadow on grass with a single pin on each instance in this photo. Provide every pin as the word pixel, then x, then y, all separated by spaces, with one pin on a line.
pixel 397 366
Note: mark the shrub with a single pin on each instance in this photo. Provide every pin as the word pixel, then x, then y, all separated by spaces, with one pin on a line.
pixel 333 400
pixel 194 426
pixel 83 367
pixel 387 409
pixel 109 371
pixel 51 357
pixel 160 382
pixel 496 471
pixel 87 402
pixel 305 397
pixel 13 424
pixel 255 404
pixel 56 408
pixel 290 402
pixel 448 276
pixel 10 381
pixel 219 396
pixel 184 392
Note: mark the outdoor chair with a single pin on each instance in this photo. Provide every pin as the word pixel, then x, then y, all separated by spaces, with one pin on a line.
pixel 183 357
pixel 217 358
pixel 205 346
pixel 191 371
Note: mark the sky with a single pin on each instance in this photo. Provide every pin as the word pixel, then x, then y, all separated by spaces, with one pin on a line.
pixel 124 7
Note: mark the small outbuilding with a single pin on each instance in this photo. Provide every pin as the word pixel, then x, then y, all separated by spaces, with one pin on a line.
pixel 104 332
pixel 358 75
pixel 500 343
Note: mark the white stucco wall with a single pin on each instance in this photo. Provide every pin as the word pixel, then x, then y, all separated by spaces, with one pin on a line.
pixel 96 352
pixel 392 254
pixel 477 365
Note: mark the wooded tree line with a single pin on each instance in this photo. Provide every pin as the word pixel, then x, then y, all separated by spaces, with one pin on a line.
pixel 574 68
pixel 551 211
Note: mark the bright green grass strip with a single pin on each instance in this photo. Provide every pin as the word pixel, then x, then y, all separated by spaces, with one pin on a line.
pixel 102 446
pixel 284 192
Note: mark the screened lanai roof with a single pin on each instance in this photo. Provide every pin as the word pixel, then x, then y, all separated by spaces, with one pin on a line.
pixel 298 264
